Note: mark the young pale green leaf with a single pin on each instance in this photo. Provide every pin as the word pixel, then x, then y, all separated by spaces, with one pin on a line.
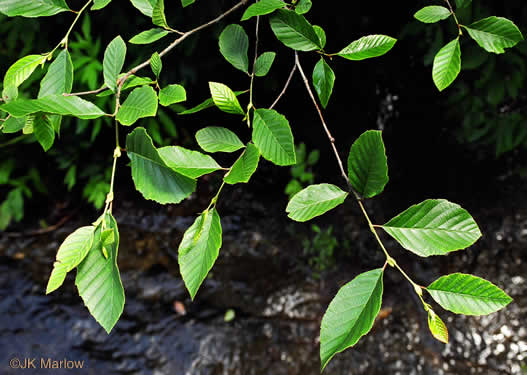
pixel 315 200
pixel 368 165
pixel 263 63
pixel 172 94
pixel 59 78
pixel 57 104
pixel 43 131
pixel 98 279
pixel 447 65
pixel 145 6
pixel 323 80
pixel 70 254
pixel 189 163
pixel 33 8
pixel 262 7
pixel 148 36
pixel 494 34
pixel 208 103
pixel 294 31
pixel 28 126
pixel 13 124
pixel 234 44
pixel 142 102
pixel 321 35
pixel 225 99
pixel 156 64
pixel 152 177
pixel 273 137
pixel 350 314
pixel 244 167
pixel 186 3
pixel 218 139
pixel 22 69
pixel 463 3
pixel 468 294
pixel 99 4
pixel 433 227
pixel 158 14
pixel 113 62
pixel 432 14
pixel 368 47
pixel 437 327
pixel 303 6
pixel 199 250
pixel 132 81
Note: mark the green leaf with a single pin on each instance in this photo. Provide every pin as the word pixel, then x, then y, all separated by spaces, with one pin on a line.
pixel 113 62
pixel 368 47
pixel 432 14
pixel 447 65
pixel 158 14
pixel 208 103
pixel 225 99
pixel 57 104
pixel 172 94
pixel 294 31
pixel 463 3
pixel 152 177
pixel 59 78
pixel 244 167
pixel 315 200
pixel 303 6
pixel 234 44
pixel 13 125
pixel 156 64
pixel 368 165
pixel 468 294
pixel 189 163
pixel 132 81
pixel 145 6
pixel 272 135
pixel 32 8
pixel 494 34
pixel 437 327
pixel 22 69
pixel 433 227
pixel 350 314
pixel 263 64
pixel 218 139
pixel 142 102
pixel 199 250
pixel 321 35
pixel 186 3
pixel 99 4
pixel 148 36
pixel 9 93
pixel 44 132
pixel 70 254
pixel 99 282
pixel 323 80
pixel 262 8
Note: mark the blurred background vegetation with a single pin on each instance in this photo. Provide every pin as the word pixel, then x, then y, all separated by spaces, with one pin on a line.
pixel 480 120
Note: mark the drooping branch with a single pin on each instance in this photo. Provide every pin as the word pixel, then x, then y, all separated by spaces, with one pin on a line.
pixel 286 86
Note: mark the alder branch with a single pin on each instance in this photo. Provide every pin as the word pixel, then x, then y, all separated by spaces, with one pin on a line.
pixel 286 86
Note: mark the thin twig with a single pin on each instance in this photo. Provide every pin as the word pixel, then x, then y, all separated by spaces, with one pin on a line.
pixel 455 17
pixel 87 92
pixel 254 61
pixel 286 86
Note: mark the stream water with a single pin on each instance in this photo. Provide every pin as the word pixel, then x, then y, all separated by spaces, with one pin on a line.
pixel 261 275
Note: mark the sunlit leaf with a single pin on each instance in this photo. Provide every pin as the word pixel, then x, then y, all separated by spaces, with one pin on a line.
pixel 57 104
pixel 172 94
pixel 262 7
pixel 437 327
pixel 447 65
pixel 494 34
pixel 59 78
pixel 158 14
pixel 218 139
pixel 225 99
pixel 432 14
pixel 273 137
pixel 315 200
pixel 244 167
pixel 144 6
pixel 22 69
pixel 99 4
pixel 142 102
pixel 148 36
pixel 33 8
pixel 189 163
pixel 294 30
pixel 368 47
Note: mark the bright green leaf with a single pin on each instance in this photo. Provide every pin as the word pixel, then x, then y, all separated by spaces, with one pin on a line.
pixel 158 14
pixel 189 163
pixel 263 64
pixel 315 200
pixel 44 132
pixel 13 125
pixel 113 62
pixel 142 102
pixel 186 3
pixel 199 250
pixel 321 35
pixel 70 254
pixel 59 78
pixel 433 227
pixel 152 177
pixel 32 8
pixel 244 167
pixel 234 44
pixel 323 80
pixel 262 7
pixel 99 4
pixel 437 327
pixel 294 31
pixel 148 36
pixel 208 103
pixel 172 94
pixel 350 314
pixel 368 165
pixel 368 47
pixel 145 6
pixel 303 6
pixel 22 69
pixel 432 14
pixel 57 104
pixel 218 139
pixel 225 99
pixel 468 294
pixel 156 64
pixel 272 135
pixel 494 34
pixel 447 65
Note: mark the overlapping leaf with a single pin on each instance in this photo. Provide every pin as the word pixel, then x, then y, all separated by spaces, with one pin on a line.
pixel 468 294
pixel 33 8
pixel 244 167
pixel 132 81
pixel 432 14
pixel 433 227
pixel 57 104
pixel 144 6
pixel 113 62
pixel 273 137
pixel 494 34
pixel 294 30
pixel 321 35
pixel 172 94
pixel 323 80
pixel 218 139
pixel 225 99
pixel 315 200
pixel 234 45
pixel 263 64
pixel 142 102
pixel 189 163
pixel 43 131
pixel 368 47
pixel 262 7
pixel 22 69
pixel 158 14
pixel 447 65
pixel 59 78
